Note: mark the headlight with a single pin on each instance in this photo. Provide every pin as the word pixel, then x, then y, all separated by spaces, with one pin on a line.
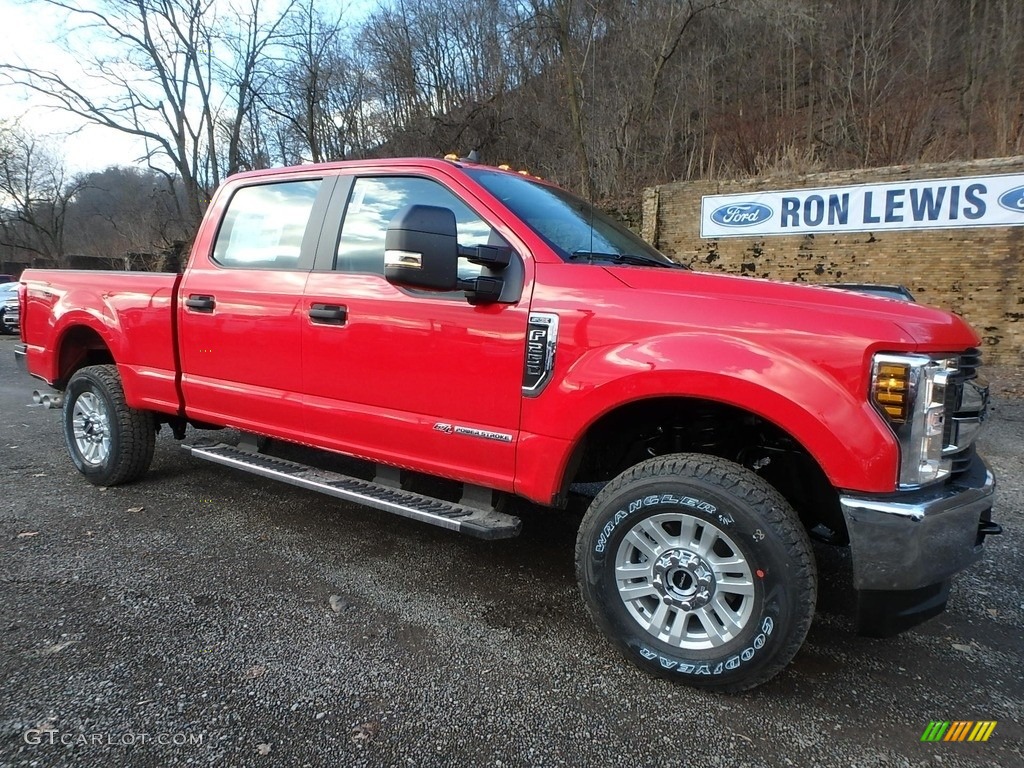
pixel 910 392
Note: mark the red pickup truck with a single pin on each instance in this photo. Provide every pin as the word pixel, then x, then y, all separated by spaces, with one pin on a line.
pixel 462 334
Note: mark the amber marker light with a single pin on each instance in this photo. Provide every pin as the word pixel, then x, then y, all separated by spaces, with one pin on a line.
pixel 892 389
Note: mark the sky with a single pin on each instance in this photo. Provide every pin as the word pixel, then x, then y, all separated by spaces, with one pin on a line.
pixel 33 31
pixel 90 148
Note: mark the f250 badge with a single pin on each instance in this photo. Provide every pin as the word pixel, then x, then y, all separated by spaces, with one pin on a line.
pixel 541 341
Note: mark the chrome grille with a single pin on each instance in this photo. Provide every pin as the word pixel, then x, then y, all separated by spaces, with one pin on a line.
pixel 970 361
pixel 966 408
pixel 962 460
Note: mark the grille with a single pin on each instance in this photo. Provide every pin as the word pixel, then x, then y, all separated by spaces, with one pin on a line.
pixel 970 361
pixel 966 406
pixel 962 460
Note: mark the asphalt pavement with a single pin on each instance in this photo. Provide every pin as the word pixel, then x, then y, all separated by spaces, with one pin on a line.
pixel 203 616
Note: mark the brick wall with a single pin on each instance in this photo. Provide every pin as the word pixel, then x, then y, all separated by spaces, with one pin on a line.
pixel 978 273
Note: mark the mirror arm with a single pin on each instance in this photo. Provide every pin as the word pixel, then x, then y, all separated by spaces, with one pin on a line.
pixel 493 256
pixel 482 290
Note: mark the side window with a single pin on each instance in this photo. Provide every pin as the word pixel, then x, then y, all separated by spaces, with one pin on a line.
pixel 374 203
pixel 264 225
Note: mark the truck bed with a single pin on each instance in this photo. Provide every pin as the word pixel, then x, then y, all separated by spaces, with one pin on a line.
pixel 132 313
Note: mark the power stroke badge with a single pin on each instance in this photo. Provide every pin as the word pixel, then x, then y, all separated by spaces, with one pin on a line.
pixel 485 434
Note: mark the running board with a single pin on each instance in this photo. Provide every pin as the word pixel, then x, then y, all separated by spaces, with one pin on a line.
pixel 481 523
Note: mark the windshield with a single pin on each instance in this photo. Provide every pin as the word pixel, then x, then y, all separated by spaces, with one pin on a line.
pixel 576 230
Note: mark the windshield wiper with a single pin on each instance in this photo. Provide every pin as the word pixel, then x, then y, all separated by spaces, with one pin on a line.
pixel 633 259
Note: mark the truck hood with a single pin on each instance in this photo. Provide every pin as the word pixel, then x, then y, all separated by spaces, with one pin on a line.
pixel 827 311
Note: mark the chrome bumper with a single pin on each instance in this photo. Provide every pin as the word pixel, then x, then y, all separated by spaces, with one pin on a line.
pixel 909 540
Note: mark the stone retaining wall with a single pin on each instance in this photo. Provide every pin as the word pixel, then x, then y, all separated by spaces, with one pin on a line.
pixel 978 273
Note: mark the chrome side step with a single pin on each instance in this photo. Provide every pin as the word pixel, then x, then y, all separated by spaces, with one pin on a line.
pixel 481 523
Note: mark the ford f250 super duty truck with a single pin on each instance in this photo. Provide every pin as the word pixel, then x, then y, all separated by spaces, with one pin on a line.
pixel 445 325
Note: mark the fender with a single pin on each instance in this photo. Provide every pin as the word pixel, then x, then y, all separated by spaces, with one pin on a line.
pixel 69 314
pixel 842 432
pixel 134 322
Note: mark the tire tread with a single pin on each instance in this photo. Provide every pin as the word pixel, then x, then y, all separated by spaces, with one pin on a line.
pixel 136 429
pixel 769 503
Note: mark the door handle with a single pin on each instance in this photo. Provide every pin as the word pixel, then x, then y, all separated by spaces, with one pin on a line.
pixel 200 303
pixel 330 314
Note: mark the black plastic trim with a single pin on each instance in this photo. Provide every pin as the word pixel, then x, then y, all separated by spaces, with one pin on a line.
pixel 884 613
pixel 330 229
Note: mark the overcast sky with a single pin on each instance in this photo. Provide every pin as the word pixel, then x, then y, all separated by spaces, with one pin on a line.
pixel 31 29
pixel 33 32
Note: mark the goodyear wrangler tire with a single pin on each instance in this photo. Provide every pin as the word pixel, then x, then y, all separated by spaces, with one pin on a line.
pixel 109 442
pixel 698 571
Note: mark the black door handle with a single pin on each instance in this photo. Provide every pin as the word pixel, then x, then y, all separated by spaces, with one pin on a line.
pixel 332 314
pixel 200 303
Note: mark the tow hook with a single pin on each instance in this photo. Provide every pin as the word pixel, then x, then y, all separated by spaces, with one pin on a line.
pixel 988 528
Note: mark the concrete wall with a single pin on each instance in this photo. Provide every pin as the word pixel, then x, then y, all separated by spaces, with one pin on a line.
pixel 978 273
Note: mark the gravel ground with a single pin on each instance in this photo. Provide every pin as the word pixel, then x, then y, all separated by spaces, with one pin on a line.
pixel 251 623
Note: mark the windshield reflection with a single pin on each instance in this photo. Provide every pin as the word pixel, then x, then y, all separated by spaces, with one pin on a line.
pixel 566 223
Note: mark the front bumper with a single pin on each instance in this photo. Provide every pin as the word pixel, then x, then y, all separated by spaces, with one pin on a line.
pixel 910 540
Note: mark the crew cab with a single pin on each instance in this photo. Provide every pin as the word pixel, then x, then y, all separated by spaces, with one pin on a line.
pixel 443 324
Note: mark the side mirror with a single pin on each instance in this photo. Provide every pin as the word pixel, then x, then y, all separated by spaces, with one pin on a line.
pixel 421 248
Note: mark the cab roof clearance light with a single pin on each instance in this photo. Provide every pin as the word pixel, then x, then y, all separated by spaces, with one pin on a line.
pixel 473 158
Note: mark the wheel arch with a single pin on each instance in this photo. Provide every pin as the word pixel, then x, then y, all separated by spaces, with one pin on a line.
pixel 78 345
pixel 636 430
pixel 814 399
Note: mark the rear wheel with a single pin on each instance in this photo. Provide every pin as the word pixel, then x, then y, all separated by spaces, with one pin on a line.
pixel 108 442
pixel 698 570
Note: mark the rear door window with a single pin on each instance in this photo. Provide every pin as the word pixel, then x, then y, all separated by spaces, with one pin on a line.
pixel 264 225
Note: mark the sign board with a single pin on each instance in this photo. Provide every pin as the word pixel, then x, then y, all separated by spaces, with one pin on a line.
pixel 976 201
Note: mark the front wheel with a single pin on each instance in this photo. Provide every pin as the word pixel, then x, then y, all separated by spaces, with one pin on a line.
pixel 109 442
pixel 698 570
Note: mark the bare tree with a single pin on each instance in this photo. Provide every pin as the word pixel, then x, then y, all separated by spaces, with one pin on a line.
pixel 604 96
pixel 170 72
pixel 317 99
pixel 36 192
pixel 147 71
pixel 570 29
pixel 124 217
pixel 438 73
pixel 248 35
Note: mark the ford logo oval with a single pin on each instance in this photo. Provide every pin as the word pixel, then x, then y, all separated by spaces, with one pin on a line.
pixel 1013 200
pixel 741 214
